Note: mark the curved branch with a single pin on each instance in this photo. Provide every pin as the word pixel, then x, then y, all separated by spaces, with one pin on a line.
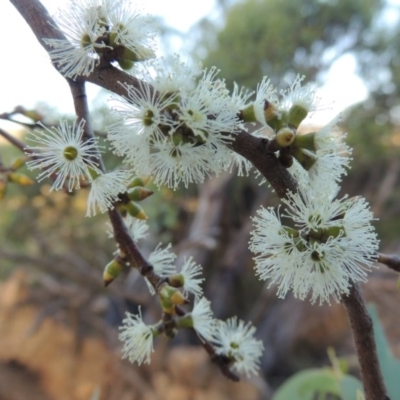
pixel 390 260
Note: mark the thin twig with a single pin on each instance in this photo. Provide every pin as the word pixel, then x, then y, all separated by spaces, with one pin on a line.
pixel 390 260
pixel 363 333
pixel 13 140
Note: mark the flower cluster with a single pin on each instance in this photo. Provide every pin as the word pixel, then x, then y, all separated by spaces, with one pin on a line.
pixel 331 246
pixel 95 28
pixel 232 339
pixel 172 128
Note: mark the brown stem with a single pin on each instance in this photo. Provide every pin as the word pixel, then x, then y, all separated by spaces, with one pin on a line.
pixel 363 334
pixel 78 91
pixel 121 234
pixel 390 260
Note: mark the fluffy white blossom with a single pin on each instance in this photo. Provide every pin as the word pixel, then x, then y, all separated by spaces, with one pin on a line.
pixel 61 151
pixel 81 23
pixel 172 163
pixel 132 28
pixel 333 246
pixel 105 189
pixel 278 257
pixel 236 340
pixel 298 95
pixel 265 93
pixel 162 261
pixel 243 165
pixel 202 318
pixel 240 96
pixel 169 74
pixel 191 280
pixel 138 228
pixel 329 155
pixel 208 111
pixel 92 27
pixel 179 132
pixel 143 116
pixel 137 338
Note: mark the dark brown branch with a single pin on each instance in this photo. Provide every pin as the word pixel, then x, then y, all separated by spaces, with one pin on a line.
pixel 363 333
pixel 390 260
pixel 79 96
pixel 255 150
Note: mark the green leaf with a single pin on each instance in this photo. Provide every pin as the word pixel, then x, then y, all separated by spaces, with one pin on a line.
pixel 348 387
pixel 314 384
pixel 390 366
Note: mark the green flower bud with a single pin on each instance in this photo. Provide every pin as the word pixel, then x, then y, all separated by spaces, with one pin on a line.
pixel 304 157
pixel 18 163
pixel 20 179
pixel 248 114
pixel 176 280
pixel 112 271
pixel 296 115
pixel 139 181
pixel 170 297
pixel 3 188
pixel 125 64
pixel 136 211
pixel 139 193
pixel 305 141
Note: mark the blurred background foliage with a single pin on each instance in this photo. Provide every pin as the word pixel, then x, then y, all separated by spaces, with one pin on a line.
pixel 48 235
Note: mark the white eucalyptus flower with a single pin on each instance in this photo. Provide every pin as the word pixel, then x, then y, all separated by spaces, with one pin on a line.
pixel 105 189
pixel 236 340
pixel 191 281
pixel 335 245
pixel 162 261
pixel 82 23
pixel 61 151
pixel 137 338
pixel 302 96
pixel 169 74
pixel 265 93
pixel 208 110
pixel 279 255
pixel 172 163
pixel 133 29
pixel 138 228
pixel 202 318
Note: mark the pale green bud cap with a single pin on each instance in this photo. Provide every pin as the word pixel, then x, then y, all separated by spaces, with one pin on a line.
pixel 285 137
pixel 306 141
pixel 170 297
pixel 111 271
pixel 296 115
